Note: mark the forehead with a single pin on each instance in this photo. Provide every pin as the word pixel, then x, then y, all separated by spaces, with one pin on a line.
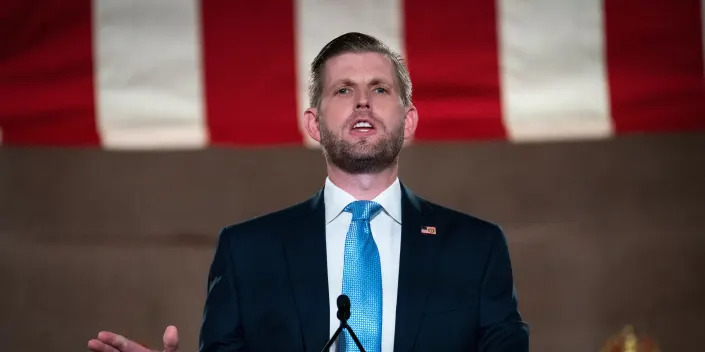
pixel 358 67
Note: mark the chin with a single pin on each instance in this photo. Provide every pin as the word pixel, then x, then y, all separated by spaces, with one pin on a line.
pixel 364 147
pixel 366 142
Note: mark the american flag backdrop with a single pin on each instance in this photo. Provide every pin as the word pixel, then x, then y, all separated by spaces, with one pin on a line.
pixel 159 74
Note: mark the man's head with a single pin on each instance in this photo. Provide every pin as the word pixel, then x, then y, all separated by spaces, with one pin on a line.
pixel 357 43
pixel 361 110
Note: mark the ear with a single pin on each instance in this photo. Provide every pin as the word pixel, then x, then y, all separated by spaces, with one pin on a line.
pixel 311 124
pixel 411 119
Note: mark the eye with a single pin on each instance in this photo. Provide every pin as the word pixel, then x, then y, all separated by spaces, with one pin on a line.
pixel 381 90
pixel 342 91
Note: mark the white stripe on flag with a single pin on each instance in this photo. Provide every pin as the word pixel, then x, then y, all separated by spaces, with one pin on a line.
pixel 320 21
pixel 148 68
pixel 553 73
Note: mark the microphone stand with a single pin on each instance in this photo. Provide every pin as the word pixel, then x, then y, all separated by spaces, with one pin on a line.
pixel 343 324
pixel 343 303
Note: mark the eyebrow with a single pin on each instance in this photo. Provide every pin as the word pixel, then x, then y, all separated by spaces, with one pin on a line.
pixel 377 81
pixel 348 82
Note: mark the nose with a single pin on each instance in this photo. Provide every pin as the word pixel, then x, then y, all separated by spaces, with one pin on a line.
pixel 363 103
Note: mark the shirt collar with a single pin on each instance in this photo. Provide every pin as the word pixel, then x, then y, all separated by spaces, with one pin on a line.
pixel 336 199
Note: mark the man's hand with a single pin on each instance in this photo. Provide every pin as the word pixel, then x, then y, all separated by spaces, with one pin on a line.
pixel 111 342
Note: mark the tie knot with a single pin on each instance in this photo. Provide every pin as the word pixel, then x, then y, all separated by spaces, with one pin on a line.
pixel 363 209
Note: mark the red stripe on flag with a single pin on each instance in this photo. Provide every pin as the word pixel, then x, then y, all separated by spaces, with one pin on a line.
pixel 46 73
pixel 452 54
pixel 250 73
pixel 655 65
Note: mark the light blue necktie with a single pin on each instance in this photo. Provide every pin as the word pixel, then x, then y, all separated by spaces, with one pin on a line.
pixel 362 280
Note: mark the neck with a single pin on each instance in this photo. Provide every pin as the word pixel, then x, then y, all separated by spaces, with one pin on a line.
pixel 363 186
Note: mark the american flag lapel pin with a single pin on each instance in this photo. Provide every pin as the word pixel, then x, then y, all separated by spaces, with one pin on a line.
pixel 428 230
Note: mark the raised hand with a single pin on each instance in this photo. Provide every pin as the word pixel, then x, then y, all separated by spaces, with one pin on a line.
pixel 111 342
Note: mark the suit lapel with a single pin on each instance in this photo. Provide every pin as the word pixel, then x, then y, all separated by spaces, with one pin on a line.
pixel 416 263
pixel 305 251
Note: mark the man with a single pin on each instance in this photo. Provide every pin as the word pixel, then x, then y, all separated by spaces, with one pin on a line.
pixel 420 277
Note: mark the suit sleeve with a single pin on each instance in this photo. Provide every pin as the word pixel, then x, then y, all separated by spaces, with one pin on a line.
pixel 221 329
pixel 501 328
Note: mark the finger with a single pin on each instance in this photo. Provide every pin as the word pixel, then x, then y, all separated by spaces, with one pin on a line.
pixel 98 346
pixel 121 343
pixel 171 339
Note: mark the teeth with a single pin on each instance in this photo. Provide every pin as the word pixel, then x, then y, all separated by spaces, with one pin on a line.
pixel 362 125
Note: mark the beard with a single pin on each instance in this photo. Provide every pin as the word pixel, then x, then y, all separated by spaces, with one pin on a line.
pixel 362 157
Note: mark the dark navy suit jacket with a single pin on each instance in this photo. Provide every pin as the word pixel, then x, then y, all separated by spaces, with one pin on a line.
pixel 268 284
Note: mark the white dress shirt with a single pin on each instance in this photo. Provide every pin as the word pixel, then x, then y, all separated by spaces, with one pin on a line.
pixel 386 231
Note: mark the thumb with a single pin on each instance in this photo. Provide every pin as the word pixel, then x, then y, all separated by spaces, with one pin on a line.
pixel 171 339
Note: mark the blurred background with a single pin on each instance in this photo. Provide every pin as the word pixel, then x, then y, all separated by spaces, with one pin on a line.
pixel 133 131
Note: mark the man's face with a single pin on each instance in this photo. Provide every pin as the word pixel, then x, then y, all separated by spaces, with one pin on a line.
pixel 362 123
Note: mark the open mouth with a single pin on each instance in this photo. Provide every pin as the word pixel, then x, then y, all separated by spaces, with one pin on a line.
pixel 362 127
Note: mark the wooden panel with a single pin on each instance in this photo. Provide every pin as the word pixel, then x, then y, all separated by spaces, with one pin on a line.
pixel 601 233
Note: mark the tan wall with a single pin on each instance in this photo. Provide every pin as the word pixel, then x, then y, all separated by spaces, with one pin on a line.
pixel 601 233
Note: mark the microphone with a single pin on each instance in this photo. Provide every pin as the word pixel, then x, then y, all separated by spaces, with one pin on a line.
pixel 343 303
pixel 343 308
